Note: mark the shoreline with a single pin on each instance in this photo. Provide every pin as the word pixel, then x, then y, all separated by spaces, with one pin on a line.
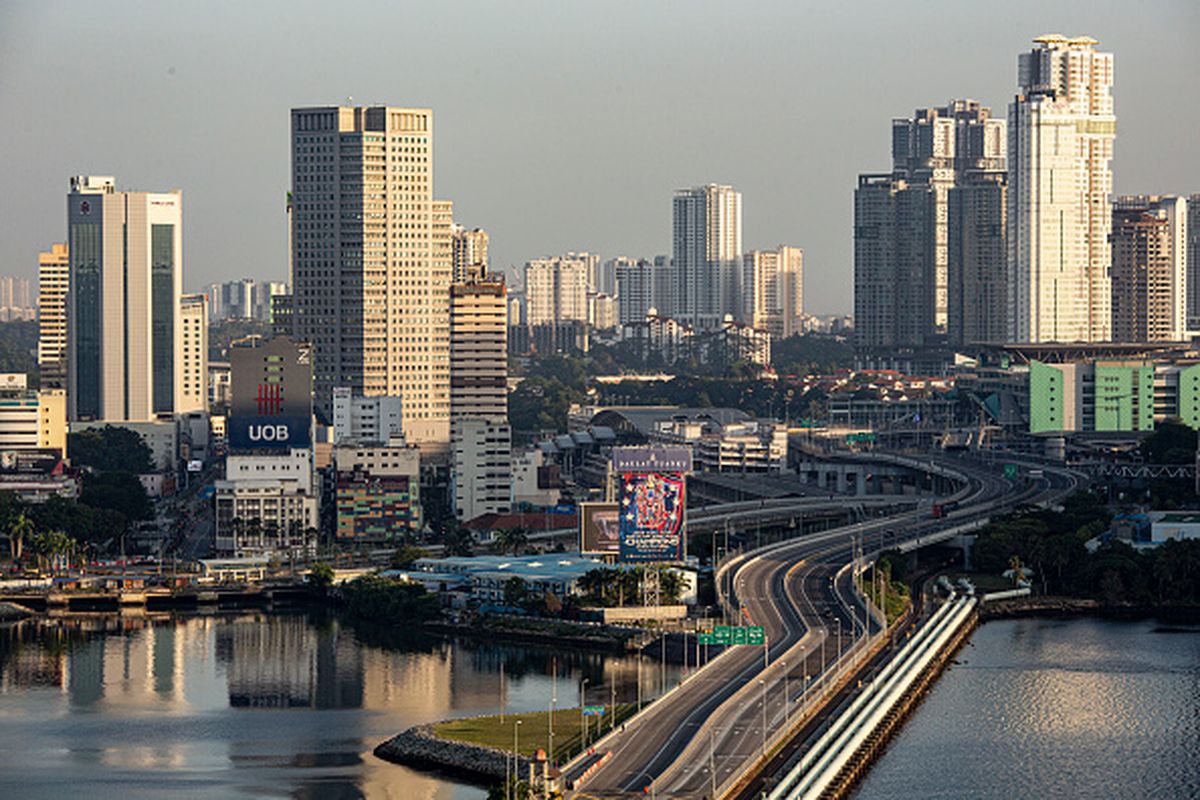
pixel 1060 607
pixel 418 748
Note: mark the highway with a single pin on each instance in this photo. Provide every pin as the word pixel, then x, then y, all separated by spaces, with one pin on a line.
pixel 700 736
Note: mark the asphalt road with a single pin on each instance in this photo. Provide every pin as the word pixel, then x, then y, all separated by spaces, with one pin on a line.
pixel 714 722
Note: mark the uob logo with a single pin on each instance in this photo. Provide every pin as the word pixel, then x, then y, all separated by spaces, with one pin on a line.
pixel 268 433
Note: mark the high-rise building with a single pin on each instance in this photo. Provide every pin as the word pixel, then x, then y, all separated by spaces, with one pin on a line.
pixel 707 233
pixel 1061 132
pixel 54 273
pixel 556 290
pixel 978 261
pixel 470 254
pixel 1193 262
pixel 635 290
pixel 366 420
pixel 773 290
pixel 123 323
pixel 482 438
pixel 16 299
pixel 193 326
pixel 903 274
pixel 31 419
pixel 371 259
pixel 606 280
pixel 1149 269
pixel 665 285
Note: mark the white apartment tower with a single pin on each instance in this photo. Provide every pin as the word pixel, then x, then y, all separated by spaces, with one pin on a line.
pixel 54 272
pixel 773 290
pixel 1060 147
pixel 556 290
pixel 123 321
pixel 193 326
pixel 371 261
pixel 707 222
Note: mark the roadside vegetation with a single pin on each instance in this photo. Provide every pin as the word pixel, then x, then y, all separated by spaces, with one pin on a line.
pixel 497 731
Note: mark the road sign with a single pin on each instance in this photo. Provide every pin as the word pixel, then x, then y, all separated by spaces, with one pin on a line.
pixel 593 711
pixel 1010 472
pixel 740 636
pixel 706 638
pixel 721 634
pixel 755 635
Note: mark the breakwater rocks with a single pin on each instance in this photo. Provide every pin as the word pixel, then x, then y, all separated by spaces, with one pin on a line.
pixel 11 612
pixel 1038 607
pixel 557 634
pixel 418 747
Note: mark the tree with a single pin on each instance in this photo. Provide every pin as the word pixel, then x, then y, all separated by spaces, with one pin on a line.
pixel 20 529
pixel 1171 443
pixel 516 592
pixel 110 448
pixel 512 539
pixel 119 491
pixel 51 544
pixel 406 555
pixel 320 576
pixel 670 585
pixel 457 540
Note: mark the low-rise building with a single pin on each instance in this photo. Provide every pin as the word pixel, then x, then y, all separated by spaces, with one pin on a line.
pixel 34 476
pixel 377 492
pixel 31 419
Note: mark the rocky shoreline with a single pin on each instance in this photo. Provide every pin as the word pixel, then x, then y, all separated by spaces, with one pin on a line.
pixel 11 612
pixel 418 747
pixel 1061 607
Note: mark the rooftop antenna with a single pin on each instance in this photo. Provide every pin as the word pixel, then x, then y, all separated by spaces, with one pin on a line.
pixel 350 100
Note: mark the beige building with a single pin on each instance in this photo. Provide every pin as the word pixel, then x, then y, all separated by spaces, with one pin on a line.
pixel 372 256
pixel 470 254
pixel 556 290
pixel 1060 148
pixel 54 271
pixel 31 419
pixel 193 323
pixel 1149 269
pixel 773 290
pixel 123 322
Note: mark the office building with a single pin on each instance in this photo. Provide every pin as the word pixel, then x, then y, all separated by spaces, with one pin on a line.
pixel 372 256
pixel 31 419
pixel 1060 145
pixel 193 325
pixel 482 475
pixel 1149 269
pixel 1192 246
pixel 123 322
pixel 469 254
pixel 54 273
pixel 902 269
pixel 16 300
pixel 773 290
pixel 707 234
pixel 358 419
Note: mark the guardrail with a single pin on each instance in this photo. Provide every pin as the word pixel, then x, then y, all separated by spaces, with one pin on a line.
pixel 820 766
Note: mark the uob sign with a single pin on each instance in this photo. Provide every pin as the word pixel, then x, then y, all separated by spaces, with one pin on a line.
pixel 254 432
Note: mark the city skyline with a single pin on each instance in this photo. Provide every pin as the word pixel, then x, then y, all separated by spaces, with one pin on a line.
pixel 608 102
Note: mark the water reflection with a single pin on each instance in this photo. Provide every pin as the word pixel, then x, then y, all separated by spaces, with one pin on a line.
pixel 257 703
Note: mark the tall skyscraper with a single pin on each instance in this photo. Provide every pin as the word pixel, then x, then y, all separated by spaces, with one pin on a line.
pixel 371 261
pixel 123 322
pixel 902 269
pixel 54 273
pixel 1149 269
pixel 1192 237
pixel 635 290
pixel 708 254
pixel 977 257
pixel 1061 132
pixel 773 290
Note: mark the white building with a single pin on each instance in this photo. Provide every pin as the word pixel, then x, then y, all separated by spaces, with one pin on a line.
pixel 366 419
pixel 556 290
pixel 635 290
pixel 372 255
pixel 193 326
pixel 602 311
pixel 773 290
pixel 483 467
pixel 1060 145
pixel 123 321
pixel 54 279
pixel 266 504
pixel 708 254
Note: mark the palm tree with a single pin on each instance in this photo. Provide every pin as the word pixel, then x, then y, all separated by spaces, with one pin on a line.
pixel 20 529
pixel 513 539
pixel 457 540
pixel 670 585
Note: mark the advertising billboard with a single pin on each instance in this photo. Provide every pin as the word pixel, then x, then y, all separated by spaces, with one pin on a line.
pixel 661 460
pixel 599 529
pixel 268 433
pixel 652 510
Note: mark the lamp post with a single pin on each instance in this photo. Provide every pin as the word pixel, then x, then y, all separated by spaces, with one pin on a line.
pixel 582 719
pixel 517 752
pixel 712 761
pixel 762 685
pixel 787 700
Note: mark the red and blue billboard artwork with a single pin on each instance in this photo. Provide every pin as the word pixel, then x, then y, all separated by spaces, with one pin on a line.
pixel 651 524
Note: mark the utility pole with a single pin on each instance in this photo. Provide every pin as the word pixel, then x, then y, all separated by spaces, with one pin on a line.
pixel 553 701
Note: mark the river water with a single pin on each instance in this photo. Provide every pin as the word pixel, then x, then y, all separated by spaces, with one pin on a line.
pixel 257 704
pixel 1084 708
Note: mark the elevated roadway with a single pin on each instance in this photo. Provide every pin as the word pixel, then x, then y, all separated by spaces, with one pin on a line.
pixel 699 739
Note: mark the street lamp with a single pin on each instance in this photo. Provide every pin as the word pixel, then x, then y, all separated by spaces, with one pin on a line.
pixel 582 719
pixel 516 752
pixel 787 701
pixel 762 685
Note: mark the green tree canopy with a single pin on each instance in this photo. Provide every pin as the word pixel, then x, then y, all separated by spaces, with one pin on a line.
pixel 1171 443
pixel 110 448
pixel 117 491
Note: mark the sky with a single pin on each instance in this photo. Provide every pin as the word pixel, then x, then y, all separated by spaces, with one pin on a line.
pixel 557 125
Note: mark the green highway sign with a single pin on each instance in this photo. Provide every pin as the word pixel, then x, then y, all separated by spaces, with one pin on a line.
pixel 739 636
pixel 593 711
pixel 706 638
pixel 1010 471
pixel 722 635
pixel 755 635
pixel 729 634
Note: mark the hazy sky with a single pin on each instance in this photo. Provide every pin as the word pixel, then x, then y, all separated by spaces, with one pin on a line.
pixel 557 125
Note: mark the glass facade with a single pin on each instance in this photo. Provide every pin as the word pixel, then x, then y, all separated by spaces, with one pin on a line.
pixel 162 311
pixel 85 288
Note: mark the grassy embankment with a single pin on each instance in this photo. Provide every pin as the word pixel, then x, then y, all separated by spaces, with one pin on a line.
pixel 535 730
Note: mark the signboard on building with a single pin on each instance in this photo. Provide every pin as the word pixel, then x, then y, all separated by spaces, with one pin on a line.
pixel 651 517
pixel 599 529
pixel 270 377
pixel 658 460
pixel 268 433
